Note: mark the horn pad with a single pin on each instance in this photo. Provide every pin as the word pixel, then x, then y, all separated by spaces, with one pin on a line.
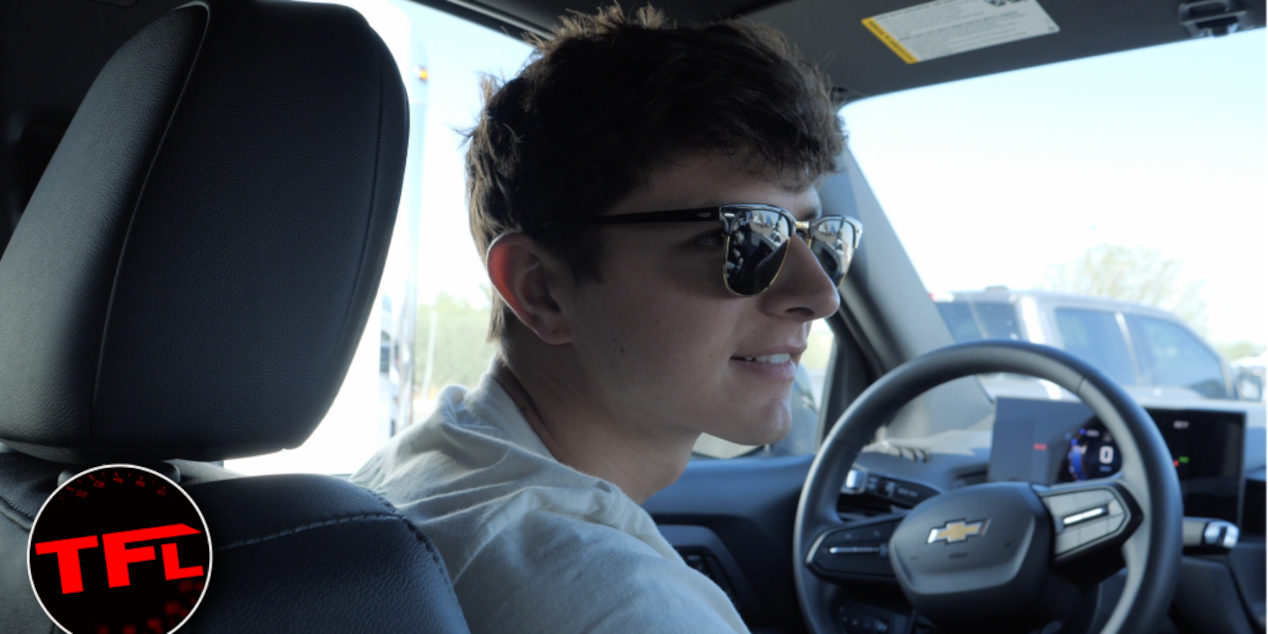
pixel 985 547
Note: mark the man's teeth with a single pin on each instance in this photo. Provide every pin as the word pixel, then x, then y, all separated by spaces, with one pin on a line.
pixel 773 358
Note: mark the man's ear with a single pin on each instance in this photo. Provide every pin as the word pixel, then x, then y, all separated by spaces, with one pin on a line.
pixel 525 275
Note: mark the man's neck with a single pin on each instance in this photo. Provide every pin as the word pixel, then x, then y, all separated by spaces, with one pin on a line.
pixel 580 434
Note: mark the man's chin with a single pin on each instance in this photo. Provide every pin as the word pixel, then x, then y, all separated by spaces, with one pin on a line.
pixel 760 432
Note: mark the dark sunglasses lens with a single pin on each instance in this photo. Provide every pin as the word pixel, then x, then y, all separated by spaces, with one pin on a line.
pixel 832 242
pixel 757 250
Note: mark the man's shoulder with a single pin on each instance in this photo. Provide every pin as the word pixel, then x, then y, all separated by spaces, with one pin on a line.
pixel 459 445
pixel 555 533
pixel 465 482
pixel 469 431
pixel 563 573
pixel 531 543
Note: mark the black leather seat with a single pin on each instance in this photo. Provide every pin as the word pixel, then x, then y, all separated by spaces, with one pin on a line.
pixel 189 283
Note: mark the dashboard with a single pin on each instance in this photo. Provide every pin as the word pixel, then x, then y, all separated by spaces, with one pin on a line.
pixel 730 519
pixel 1217 449
pixel 1049 442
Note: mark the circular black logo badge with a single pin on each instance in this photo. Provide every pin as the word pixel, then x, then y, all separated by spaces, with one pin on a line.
pixel 119 549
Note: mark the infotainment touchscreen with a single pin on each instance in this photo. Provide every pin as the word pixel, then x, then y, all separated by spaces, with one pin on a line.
pixel 1049 442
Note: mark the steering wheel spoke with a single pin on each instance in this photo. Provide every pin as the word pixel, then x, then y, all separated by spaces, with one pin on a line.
pixel 855 551
pixel 1091 520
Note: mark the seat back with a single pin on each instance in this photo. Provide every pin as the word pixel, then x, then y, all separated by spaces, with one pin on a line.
pixel 293 553
pixel 189 282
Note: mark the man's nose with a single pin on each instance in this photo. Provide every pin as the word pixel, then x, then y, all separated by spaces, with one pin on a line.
pixel 802 289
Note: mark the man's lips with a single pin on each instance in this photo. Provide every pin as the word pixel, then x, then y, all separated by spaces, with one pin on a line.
pixel 770 358
pixel 781 354
pixel 776 364
pixel 782 372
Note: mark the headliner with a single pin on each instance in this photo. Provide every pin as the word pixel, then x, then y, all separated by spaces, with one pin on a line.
pixel 830 32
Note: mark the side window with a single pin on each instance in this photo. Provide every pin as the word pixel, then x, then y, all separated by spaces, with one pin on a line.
pixel 806 399
pixel 1170 356
pixel 1095 337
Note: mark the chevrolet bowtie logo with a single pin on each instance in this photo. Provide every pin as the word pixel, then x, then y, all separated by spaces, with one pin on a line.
pixel 957 531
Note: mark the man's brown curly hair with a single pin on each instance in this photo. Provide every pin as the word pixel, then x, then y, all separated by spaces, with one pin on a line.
pixel 609 98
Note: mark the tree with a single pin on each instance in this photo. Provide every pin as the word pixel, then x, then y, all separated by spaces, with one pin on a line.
pixel 1133 274
pixel 1239 349
pixel 461 353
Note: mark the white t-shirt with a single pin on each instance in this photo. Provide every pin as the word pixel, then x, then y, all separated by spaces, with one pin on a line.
pixel 533 545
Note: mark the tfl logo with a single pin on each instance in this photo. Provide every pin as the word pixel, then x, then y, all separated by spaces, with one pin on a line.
pixel 119 549
pixel 118 555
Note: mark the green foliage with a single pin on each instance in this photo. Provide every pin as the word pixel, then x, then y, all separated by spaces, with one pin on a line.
pixel 1134 275
pixel 1239 349
pixel 461 352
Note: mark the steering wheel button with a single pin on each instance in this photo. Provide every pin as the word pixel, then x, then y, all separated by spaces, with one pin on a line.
pixel 1093 531
pixel 1114 522
pixel 1067 541
pixel 1062 505
pixel 847 536
pixel 1085 516
pixel 880 532
pixel 1090 499
pixel 1115 509
pixel 854 550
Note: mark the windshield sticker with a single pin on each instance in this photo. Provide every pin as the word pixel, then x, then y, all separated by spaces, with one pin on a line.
pixel 946 27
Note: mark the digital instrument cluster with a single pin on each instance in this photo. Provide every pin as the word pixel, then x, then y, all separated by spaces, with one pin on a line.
pixel 1091 454
pixel 1051 442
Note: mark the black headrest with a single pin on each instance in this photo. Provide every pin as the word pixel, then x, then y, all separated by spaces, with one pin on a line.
pixel 194 271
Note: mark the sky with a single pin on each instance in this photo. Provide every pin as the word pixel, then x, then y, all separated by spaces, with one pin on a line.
pixel 988 181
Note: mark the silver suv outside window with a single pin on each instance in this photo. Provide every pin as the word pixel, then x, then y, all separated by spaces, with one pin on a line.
pixel 1095 337
pixel 971 321
pixel 1169 356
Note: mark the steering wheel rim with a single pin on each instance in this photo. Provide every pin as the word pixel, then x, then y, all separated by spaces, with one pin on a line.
pixel 1152 553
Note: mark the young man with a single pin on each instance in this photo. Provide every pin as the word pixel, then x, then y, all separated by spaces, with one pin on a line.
pixel 634 192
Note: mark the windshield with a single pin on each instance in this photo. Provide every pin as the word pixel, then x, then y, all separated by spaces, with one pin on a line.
pixel 1122 196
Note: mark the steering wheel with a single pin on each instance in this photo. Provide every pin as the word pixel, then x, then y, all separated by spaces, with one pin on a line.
pixel 1002 556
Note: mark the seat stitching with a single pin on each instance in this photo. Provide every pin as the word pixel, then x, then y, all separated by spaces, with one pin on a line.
pixel 17 510
pixel 299 529
pixel 431 549
pixel 419 534
pixel 392 514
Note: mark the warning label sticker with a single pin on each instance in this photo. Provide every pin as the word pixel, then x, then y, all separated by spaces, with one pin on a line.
pixel 946 27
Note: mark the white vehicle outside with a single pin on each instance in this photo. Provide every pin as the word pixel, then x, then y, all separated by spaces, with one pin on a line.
pixel 1151 352
pixel 1249 374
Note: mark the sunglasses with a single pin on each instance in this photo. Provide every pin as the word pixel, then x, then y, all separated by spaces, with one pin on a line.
pixel 757 240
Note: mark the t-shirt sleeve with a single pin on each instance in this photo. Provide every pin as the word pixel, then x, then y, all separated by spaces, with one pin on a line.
pixel 555 574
